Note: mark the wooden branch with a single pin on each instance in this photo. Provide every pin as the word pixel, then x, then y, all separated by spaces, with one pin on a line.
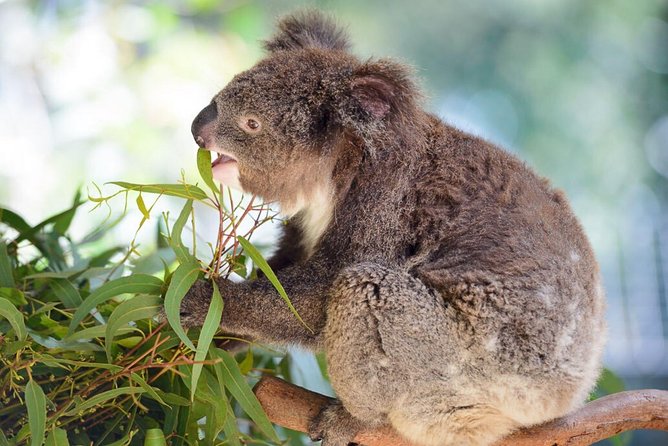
pixel 292 406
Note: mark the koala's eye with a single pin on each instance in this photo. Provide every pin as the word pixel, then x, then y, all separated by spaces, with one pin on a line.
pixel 249 125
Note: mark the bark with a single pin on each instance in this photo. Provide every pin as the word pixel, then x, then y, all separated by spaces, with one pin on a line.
pixel 292 406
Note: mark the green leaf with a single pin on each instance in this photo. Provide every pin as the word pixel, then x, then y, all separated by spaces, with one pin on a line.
pixel 609 383
pixel 103 397
pixel 96 331
pixel 15 318
pixel 125 441
pixel 6 276
pixel 137 308
pixel 64 220
pixel 130 341
pixel 14 220
pixel 230 427
pixel 239 265
pixel 211 393
pixel 150 391
pixel 142 207
pixel 62 223
pixel 321 358
pixel 241 391
pixel 26 232
pixel 3 439
pixel 182 253
pixel 174 190
pixel 103 258
pixel 66 293
pixel 185 275
pixel 247 364
pixel 261 263
pixel 173 399
pixel 13 295
pixel 51 360
pixel 204 168
pixel 36 404
pixel 209 329
pixel 11 348
pixel 155 437
pixel 136 283
pixel 57 437
pixel 56 274
pixel 53 343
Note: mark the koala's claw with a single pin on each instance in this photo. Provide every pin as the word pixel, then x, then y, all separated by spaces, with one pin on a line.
pixel 334 426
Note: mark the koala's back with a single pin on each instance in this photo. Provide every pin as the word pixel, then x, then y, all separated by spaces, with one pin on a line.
pixel 512 264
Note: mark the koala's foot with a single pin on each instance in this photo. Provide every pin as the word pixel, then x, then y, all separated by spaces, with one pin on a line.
pixel 334 426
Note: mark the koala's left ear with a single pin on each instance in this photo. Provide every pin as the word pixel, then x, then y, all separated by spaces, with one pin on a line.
pixel 383 89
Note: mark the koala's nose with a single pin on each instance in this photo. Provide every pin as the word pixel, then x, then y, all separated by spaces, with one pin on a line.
pixel 201 129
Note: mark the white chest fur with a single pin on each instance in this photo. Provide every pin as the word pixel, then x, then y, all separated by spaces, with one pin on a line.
pixel 313 211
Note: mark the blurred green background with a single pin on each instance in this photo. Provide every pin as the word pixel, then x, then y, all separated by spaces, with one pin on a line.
pixel 94 91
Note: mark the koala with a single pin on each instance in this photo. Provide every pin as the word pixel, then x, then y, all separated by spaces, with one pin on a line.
pixel 453 291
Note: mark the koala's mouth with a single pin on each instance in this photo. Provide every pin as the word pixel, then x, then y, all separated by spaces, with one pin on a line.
pixel 223 159
pixel 225 169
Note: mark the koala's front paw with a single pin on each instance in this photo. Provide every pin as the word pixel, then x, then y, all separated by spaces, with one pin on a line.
pixel 195 304
pixel 334 426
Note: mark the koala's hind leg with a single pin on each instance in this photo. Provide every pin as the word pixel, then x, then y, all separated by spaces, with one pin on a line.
pixel 433 418
pixel 390 347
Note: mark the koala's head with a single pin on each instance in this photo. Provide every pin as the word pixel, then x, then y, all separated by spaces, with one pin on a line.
pixel 276 126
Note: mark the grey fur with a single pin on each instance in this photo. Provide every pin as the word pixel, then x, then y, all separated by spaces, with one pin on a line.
pixel 453 290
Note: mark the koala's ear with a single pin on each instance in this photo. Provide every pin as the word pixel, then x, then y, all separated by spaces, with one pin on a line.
pixel 383 88
pixel 307 29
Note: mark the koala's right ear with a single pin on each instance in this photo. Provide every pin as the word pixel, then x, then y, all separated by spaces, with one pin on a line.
pixel 307 29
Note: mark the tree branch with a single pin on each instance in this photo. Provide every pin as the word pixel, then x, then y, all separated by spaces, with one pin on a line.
pixel 292 406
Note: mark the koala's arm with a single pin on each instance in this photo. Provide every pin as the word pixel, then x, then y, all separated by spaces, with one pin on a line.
pixel 255 309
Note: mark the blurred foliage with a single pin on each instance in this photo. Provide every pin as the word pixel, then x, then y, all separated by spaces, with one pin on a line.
pixel 83 360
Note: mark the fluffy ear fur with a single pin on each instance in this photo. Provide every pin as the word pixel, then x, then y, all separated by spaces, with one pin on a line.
pixel 383 90
pixel 307 29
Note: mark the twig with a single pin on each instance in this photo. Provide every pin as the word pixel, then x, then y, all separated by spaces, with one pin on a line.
pixel 292 407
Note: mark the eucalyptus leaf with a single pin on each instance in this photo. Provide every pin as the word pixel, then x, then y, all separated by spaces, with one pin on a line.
pixel 204 168
pixel 66 292
pixel 137 308
pixel 136 283
pixel 175 190
pixel 36 404
pixel 150 391
pixel 53 343
pixel 241 391
pixel 15 318
pixel 96 331
pixel 142 207
pixel 15 296
pixel 209 329
pixel 230 427
pixel 184 277
pixel 182 253
pixel 57 437
pixel 155 437
pixel 101 398
pixel 125 441
pixel 3 439
pixel 261 263
pixel 6 275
